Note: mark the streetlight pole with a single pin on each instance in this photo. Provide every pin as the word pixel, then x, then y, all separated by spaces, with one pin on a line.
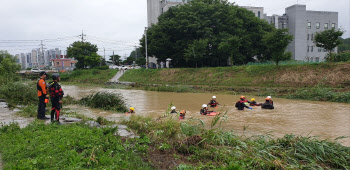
pixel 146 48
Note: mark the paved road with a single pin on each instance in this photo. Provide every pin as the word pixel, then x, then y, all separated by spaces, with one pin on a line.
pixel 115 79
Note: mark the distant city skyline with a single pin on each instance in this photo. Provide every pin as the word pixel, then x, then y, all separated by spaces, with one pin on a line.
pixel 106 20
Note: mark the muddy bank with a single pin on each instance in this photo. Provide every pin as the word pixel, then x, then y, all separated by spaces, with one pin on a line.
pixel 8 116
pixel 324 119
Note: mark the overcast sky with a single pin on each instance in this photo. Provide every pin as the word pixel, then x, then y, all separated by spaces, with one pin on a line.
pixel 113 24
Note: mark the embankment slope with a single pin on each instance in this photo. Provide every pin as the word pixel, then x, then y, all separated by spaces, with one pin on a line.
pixel 308 75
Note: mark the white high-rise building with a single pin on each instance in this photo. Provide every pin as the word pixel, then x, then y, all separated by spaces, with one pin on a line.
pixel 34 58
pixel 23 61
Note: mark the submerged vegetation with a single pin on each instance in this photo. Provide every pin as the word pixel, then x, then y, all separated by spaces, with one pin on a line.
pixel 106 101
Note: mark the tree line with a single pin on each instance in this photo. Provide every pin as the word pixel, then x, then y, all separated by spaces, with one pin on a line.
pixel 205 33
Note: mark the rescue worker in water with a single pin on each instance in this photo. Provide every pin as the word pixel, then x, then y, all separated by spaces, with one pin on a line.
pixel 56 95
pixel 173 109
pixel 213 102
pixel 254 103
pixel 131 111
pixel 268 104
pixel 242 103
pixel 182 114
pixel 204 110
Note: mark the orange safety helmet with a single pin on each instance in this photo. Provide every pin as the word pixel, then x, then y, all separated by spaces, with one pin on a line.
pixel 183 112
pixel 242 97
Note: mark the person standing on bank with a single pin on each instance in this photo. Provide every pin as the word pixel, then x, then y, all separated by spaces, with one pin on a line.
pixel 56 94
pixel 42 95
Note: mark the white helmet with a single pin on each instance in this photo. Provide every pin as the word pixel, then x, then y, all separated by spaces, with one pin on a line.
pixel 204 105
pixel 173 108
pixel 269 97
pixel 214 97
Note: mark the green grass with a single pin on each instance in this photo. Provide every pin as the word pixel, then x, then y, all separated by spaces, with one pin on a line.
pixel 106 101
pixel 163 144
pixel 214 148
pixel 91 76
pixel 76 146
pixel 258 75
pixel 29 111
pixel 321 94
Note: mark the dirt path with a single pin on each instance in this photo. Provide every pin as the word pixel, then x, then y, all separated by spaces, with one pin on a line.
pixel 115 79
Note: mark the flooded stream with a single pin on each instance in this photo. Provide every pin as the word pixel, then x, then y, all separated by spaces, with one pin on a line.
pixel 323 119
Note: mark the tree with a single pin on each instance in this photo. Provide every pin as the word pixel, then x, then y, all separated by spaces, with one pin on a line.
pixel 5 54
pixel 344 46
pixel 8 67
pixel 276 43
pixel 196 51
pixel 115 59
pixel 141 61
pixel 328 39
pixel 227 30
pixel 137 55
pixel 85 53
pixel 129 60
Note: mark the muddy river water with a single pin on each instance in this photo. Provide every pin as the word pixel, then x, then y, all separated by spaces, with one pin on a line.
pixel 299 117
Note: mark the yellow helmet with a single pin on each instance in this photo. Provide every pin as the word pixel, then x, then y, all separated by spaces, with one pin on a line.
pixel 252 99
pixel 131 108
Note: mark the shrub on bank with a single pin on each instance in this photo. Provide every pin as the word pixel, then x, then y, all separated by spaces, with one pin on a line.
pixel 214 148
pixel 106 101
pixel 321 94
pixel 19 93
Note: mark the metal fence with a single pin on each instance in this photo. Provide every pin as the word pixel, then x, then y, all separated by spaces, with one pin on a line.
pixel 282 63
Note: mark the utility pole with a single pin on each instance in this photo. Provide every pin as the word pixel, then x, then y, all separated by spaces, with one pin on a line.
pixel 135 52
pixel 146 48
pixel 104 53
pixel 82 36
pixel 113 57
pixel 42 52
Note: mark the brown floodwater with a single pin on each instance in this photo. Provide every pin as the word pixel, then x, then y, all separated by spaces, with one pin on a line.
pixel 307 118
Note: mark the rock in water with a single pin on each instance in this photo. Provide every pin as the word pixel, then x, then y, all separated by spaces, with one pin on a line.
pixel 72 120
pixel 92 123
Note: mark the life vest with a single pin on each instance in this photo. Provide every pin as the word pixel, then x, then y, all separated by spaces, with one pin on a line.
pixel 40 90
pixel 213 103
pixel 55 90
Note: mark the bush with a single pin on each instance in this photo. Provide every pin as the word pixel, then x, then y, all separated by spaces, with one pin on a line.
pixel 106 101
pixel 320 94
pixel 218 149
pixel 343 57
pixel 19 93
pixel 29 111
pixel 102 68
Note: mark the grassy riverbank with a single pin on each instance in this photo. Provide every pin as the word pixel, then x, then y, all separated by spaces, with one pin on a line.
pixel 163 144
pixel 92 76
pixel 330 81
pixel 332 75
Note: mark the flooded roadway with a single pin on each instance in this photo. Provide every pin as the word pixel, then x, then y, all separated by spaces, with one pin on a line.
pixel 307 118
